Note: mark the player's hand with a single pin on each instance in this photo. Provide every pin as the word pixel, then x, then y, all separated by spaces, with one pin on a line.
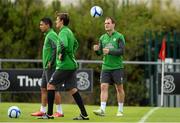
pixel 49 64
pixel 96 47
pixel 60 56
pixel 105 51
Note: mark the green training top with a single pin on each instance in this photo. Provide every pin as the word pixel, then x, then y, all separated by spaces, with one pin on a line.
pixel 49 49
pixel 66 37
pixel 110 61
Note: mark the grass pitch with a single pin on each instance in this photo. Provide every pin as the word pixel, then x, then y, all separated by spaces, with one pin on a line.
pixel 131 114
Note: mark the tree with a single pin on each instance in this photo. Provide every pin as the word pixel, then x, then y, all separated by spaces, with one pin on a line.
pixel 19 33
pixel 21 38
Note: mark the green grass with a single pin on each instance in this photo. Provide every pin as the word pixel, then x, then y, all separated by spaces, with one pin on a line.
pixel 131 114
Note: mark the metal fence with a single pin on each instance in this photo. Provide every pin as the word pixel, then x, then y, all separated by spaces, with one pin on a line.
pixel 170 100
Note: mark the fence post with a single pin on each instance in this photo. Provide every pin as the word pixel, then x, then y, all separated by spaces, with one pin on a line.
pixel 0 69
pixel 155 88
pixel 150 68
pixel 80 65
pixel 175 46
pixel 168 44
pixel 0 63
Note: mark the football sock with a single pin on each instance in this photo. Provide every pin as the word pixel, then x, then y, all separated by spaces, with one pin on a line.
pixel 103 106
pixel 80 104
pixel 51 95
pixel 120 107
pixel 43 109
pixel 59 108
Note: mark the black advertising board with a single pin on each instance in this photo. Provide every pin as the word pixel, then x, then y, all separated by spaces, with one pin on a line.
pixel 29 80
pixel 171 83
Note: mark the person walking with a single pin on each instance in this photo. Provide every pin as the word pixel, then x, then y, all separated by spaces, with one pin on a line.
pixel 111 46
pixel 66 67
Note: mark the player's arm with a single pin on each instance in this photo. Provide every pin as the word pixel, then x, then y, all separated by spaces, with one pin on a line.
pixel 61 50
pixel 63 44
pixel 98 48
pixel 120 50
pixel 53 57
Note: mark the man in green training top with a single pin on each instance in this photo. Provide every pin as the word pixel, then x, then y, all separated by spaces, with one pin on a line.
pixel 49 64
pixel 66 66
pixel 111 46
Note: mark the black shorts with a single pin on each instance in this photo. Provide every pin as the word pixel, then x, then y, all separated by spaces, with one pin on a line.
pixel 46 77
pixel 112 76
pixel 66 77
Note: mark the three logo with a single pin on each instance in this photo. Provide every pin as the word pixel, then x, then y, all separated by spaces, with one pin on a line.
pixel 169 85
pixel 83 82
pixel 4 81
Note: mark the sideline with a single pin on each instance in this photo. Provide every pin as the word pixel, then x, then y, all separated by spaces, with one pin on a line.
pixel 83 122
pixel 145 117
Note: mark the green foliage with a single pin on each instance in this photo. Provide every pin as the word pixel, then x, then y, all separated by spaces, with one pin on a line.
pixel 19 32
pixel 21 38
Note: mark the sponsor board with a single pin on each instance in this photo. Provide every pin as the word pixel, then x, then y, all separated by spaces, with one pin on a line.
pixel 171 83
pixel 28 80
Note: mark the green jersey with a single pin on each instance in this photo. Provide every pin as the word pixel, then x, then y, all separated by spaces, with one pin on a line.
pixel 113 60
pixel 70 43
pixel 49 49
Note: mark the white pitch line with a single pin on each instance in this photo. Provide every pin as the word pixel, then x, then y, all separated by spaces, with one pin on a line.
pixel 145 117
pixel 82 122
pixel 68 122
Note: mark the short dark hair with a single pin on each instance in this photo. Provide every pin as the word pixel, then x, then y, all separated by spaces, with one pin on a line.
pixel 64 17
pixel 112 19
pixel 47 20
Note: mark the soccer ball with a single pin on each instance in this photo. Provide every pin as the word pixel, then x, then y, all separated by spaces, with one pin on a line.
pixel 96 11
pixel 14 112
